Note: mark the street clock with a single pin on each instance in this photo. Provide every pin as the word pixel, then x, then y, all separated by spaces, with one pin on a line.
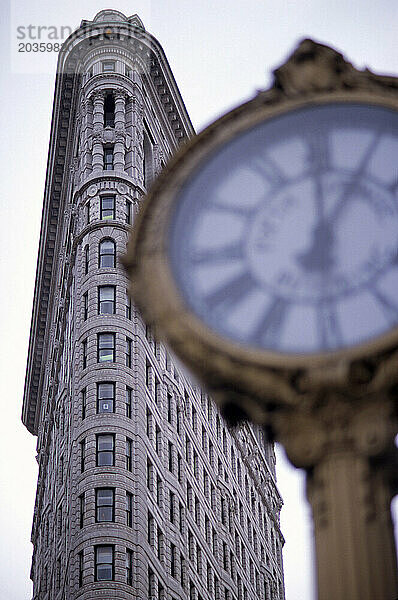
pixel 266 255
pixel 271 240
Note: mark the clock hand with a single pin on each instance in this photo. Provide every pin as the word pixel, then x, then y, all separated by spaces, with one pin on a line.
pixel 355 180
pixel 319 257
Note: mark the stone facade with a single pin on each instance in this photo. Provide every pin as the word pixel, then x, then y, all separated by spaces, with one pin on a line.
pixel 143 491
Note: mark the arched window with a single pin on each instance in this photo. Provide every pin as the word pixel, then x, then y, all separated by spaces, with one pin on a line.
pixel 107 253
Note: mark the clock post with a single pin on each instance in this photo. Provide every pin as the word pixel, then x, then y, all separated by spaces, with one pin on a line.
pixel 266 256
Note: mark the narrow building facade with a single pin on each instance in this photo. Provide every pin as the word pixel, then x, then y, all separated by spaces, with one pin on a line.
pixel 143 492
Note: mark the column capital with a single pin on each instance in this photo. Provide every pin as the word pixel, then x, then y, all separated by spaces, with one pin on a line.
pixel 97 96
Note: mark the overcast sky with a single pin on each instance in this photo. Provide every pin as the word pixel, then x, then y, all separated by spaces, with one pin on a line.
pixel 220 52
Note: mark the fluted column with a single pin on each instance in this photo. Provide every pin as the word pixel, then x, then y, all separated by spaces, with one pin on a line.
pixel 120 108
pixel 98 125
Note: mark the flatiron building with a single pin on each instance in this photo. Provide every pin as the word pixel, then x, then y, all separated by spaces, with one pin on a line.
pixel 143 491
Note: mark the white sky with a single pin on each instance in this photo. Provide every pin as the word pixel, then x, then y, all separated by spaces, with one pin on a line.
pixel 220 52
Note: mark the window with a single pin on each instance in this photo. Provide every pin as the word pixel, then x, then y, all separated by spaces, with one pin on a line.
pixel 129 509
pixel 107 254
pixel 84 354
pixel 128 306
pixel 151 530
pixel 81 568
pixel 194 420
pixel 159 485
pixel 107 207
pixel 128 212
pixel 179 468
pixel 151 582
pixel 84 402
pixel 189 497
pixel 225 556
pixel 209 577
pixel 172 560
pixel 191 547
pixel 160 543
pixel 85 306
pixel 129 396
pixel 108 163
pixel 171 506
pixel 87 209
pixel 182 569
pixel 178 423
pixel 106 300
pixel 169 407
pixel 148 158
pixel 181 517
pixel 82 455
pixel 213 497
pixel 198 559
pixel 207 529
pixel 214 542
pixel 106 347
pixel 149 424
pixel 197 511
pixel 149 475
pixel 129 351
pixel 211 453
pixel 170 447
pixel 129 567
pixel 104 505
pixel 218 427
pixel 223 511
pixel 195 464
pixel 108 66
pixel 82 508
pixel 105 450
pixel 105 397
pixel 158 391
pixel 158 439
pixel 204 439
pixel 148 374
pixel 129 454
pixel 86 259
pixel 109 111
pixel 104 563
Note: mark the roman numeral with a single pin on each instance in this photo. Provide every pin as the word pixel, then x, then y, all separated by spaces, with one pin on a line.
pixel 329 328
pixel 355 177
pixel 269 170
pixel 318 150
pixel 231 292
pixel 223 254
pixel 272 323
pixel 241 210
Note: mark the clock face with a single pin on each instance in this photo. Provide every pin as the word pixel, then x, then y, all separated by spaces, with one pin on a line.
pixel 286 238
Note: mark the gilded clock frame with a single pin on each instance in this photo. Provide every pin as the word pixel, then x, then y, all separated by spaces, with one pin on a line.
pixel 254 380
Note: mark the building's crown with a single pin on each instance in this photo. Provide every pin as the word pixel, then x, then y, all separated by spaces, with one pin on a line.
pixel 114 16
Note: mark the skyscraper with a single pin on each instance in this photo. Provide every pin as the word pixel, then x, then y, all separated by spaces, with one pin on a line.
pixel 143 491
